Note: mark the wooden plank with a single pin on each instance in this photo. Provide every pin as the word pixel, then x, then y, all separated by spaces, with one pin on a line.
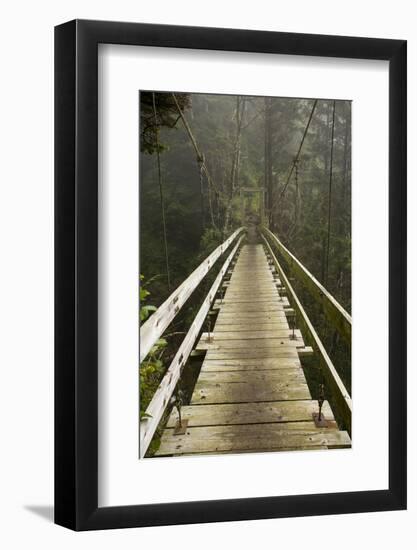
pixel 306 351
pixel 261 327
pixel 155 326
pixel 252 280
pixel 256 266
pixel 264 318
pixel 273 344
pixel 257 437
pixel 255 263
pixel 336 314
pixel 244 451
pixel 268 288
pixel 247 276
pixel 270 345
pixel 252 268
pixel 260 293
pixel 251 315
pixel 284 375
pixel 248 299
pixel 232 334
pixel 246 286
pixel 248 306
pixel 242 392
pixel 165 389
pixel 246 296
pixel 249 413
pixel 252 353
pixel 218 365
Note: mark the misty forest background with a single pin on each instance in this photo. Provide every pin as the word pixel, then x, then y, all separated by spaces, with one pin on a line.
pixel 247 142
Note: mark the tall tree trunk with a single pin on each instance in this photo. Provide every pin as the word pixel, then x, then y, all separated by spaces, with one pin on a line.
pixel 346 155
pixel 234 175
pixel 324 204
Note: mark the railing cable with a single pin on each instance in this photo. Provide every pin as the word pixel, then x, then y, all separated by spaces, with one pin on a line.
pixel 299 149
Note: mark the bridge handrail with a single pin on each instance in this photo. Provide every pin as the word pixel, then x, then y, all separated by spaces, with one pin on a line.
pixel 340 394
pixel 335 313
pixel 165 389
pixel 155 326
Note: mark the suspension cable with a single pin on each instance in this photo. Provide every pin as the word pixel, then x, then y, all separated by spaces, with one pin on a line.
pixel 296 202
pixel 161 192
pixel 299 149
pixel 329 209
pixel 203 213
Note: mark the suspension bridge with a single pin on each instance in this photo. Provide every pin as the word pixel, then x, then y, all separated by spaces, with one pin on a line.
pixel 251 335
pixel 251 393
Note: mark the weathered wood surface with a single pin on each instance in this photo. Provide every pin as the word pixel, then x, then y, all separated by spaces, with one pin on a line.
pixel 251 394
pixel 254 377
pixel 253 317
pixel 287 388
pixel 240 307
pixel 250 353
pixel 155 326
pixel 220 365
pixel 282 334
pixel 249 413
pixel 252 437
pixel 255 329
pixel 252 345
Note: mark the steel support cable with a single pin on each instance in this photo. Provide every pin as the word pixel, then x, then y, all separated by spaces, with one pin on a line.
pixel 299 149
pixel 161 192
pixel 329 208
pixel 203 213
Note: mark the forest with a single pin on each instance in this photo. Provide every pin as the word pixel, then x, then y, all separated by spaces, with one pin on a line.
pixel 212 163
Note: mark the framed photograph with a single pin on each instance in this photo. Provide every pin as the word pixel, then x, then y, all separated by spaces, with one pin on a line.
pixel 230 244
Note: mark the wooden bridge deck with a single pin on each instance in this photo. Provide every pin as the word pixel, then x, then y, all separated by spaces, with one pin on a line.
pixel 251 394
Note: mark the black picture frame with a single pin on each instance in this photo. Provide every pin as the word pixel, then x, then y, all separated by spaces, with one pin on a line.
pixel 76 272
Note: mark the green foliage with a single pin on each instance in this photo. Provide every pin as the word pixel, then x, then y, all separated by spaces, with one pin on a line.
pixel 152 368
pixel 166 115
pixel 145 311
pixel 150 372
pixel 210 239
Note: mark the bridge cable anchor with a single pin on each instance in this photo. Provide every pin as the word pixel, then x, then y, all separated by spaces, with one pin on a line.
pixel 293 323
pixel 209 338
pixel 181 425
pixel 319 419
